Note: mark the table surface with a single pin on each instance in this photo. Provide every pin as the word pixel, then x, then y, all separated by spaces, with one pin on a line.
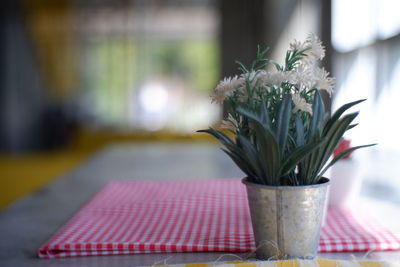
pixel 30 222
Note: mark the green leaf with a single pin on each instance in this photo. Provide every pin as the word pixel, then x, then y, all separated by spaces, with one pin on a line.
pixel 267 145
pixel 252 155
pixel 296 156
pixel 265 119
pixel 333 138
pixel 339 113
pixel 242 66
pixel 283 120
pixel 342 155
pixel 277 66
pixel 227 142
pixel 317 116
pixel 241 163
pixel 300 140
pixel 351 126
pixel 269 152
pixel 223 138
pixel 310 162
pixel 315 161
pixel 249 114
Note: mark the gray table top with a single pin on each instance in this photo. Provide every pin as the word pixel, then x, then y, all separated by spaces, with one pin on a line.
pixel 28 223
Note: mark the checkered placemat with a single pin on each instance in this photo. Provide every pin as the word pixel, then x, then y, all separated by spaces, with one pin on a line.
pixel 128 217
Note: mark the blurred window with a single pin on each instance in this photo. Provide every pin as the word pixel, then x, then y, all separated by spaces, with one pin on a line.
pixel 148 65
pixel 361 22
pixel 366 38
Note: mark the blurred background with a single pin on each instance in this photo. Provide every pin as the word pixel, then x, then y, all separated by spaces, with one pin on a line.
pixel 78 75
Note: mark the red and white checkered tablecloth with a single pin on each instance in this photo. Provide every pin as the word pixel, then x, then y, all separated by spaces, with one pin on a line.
pixel 128 217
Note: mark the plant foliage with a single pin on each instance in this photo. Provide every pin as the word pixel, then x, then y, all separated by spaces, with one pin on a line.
pixel 283 134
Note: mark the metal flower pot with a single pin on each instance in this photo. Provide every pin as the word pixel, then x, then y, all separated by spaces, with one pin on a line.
pixel 286 219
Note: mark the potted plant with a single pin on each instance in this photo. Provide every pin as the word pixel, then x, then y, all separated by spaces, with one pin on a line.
pixel 283 139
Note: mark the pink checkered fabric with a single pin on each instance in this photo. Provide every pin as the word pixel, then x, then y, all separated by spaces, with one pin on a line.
pixel 128 217
pixel 348 230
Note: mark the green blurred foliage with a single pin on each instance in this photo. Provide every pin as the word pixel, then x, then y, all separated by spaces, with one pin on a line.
pixel 115 67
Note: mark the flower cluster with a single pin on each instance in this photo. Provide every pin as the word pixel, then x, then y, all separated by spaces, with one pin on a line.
pixel 300 76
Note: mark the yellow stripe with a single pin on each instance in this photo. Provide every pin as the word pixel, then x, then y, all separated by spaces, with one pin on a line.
pixel 369 264
pixel 245 265
pixel 288 263
pixel 196 265
pixel 328 263
pixel 308 263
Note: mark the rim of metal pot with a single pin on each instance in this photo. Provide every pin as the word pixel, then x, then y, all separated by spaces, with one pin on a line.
pixel 325 183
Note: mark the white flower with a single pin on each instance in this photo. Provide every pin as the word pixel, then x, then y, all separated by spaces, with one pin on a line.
pixel 253 77
pixel 230 123
pixel 299 46
pixel 225 88
pixel 301 104
pixel 323 82
pixel 273 77
pixel 302 76
pixel 316 49
pixel 312 47
pixel 236 82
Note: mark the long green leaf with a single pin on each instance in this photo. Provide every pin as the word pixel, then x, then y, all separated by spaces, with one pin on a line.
pixel 313 135
pixel 235 151
pixel 339 113
pixel 300 140
pixel 296 156
pixel 265 119
pixel 342 155
pixel 315 161
pixel 249 114
pixel 269 151
pixel 310 162
pixel 252 155
pixel 317 116
pixel 223 138
pixel 351 126
pixel 241 163
pixel 267 146
pixel 283 120
pixel 333 138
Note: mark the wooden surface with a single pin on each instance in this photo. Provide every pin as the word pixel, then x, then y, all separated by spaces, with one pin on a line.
pixel 28 223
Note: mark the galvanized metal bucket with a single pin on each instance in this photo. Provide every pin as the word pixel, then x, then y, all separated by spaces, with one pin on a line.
pixel 287 219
